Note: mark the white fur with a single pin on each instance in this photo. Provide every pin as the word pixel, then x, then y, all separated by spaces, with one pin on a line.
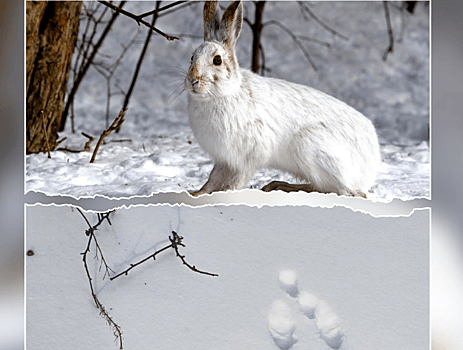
pixel 247 122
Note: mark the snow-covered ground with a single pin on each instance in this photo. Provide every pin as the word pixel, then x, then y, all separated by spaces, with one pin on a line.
pixel 159 152
pixel 289 278
pixel 152 164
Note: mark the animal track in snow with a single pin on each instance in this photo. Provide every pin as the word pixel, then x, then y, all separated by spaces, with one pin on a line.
pixel 282 323
pixel 288 282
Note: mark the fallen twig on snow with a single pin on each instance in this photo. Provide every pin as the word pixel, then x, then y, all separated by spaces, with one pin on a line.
pixel 114 126
pixel 175 242
pixel 91 236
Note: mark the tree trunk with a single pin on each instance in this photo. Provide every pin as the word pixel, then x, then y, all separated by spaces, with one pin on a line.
pixel 256 34
pixel 51 34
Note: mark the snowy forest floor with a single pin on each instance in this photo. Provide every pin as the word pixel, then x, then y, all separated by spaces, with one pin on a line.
pixel 136 165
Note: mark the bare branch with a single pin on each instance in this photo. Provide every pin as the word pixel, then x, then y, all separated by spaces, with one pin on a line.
pixel 312 40
pixel 295 39
pixel 137 19
pixel 84 68
pixel 152 256
pixel 390 48
pixel 175 242
pixel 305 8
pixel 91 236
pixel 85 149
pixel 140 59
pixel 189 3
pixel 114 126
pixel 156 11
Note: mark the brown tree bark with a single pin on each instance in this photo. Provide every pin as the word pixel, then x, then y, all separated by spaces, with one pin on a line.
pixel 51 34
pixel 256 35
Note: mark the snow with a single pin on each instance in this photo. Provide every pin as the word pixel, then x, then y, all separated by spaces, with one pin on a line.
pixel 288 282
pixel 370 276
pixel 307 303
pixel 281 320
pixel 328 324
pixel 156 150
pixel 281 325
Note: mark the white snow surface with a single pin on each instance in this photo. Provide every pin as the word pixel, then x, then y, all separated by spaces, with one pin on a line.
pixel 176 163
pixel 288 282
pixel 158 152
pixel 373 274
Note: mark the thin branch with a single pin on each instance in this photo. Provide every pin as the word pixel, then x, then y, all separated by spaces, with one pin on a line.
pixel 320 22
pixel 85 67
pixel 390 48
pixel 137 19
pixel 114 126
pixel 312 40
pixel 189 3
pixel 108 71
pixel 295 39
pixel 152 256
pixel 87 144
pixel 140 59
pixel 91 236
pixel 175 242
pixel 156 11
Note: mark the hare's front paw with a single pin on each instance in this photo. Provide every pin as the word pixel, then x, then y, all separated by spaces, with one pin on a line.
pixel 197 193
pixel 287 187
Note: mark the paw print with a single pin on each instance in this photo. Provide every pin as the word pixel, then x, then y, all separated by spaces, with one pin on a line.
pixel 282 323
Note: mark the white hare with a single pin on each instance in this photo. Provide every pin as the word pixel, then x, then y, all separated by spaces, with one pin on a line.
pixel 247 122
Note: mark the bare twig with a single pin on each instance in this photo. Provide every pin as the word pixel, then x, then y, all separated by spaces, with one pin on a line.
pixel 175 242
pixel 157 10
pixel 114 126
pixel 390 48
pixel 142 56
pixel 90 140
pixel 295 39
pixel 152 256
pixel 59 141
pixel 108 71
pixel 312 40
pixel 307 10
pixel 91 237
pixel 86 64
pixel 85 149
pixel 166 13
pixel 137 19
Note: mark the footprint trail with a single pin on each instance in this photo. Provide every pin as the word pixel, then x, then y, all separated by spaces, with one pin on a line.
pixel 282 324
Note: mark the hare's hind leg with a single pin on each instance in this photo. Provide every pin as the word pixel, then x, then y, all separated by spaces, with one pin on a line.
pixel 223 178
pixel 287 187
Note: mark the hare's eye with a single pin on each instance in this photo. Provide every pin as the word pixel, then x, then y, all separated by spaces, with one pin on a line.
pixel 217 60
pixel 191 58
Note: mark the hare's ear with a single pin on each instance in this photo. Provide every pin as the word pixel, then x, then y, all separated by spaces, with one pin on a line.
pixel 232 22
pixel 211 21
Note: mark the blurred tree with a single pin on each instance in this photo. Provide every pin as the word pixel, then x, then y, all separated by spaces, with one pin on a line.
pixel 51 33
